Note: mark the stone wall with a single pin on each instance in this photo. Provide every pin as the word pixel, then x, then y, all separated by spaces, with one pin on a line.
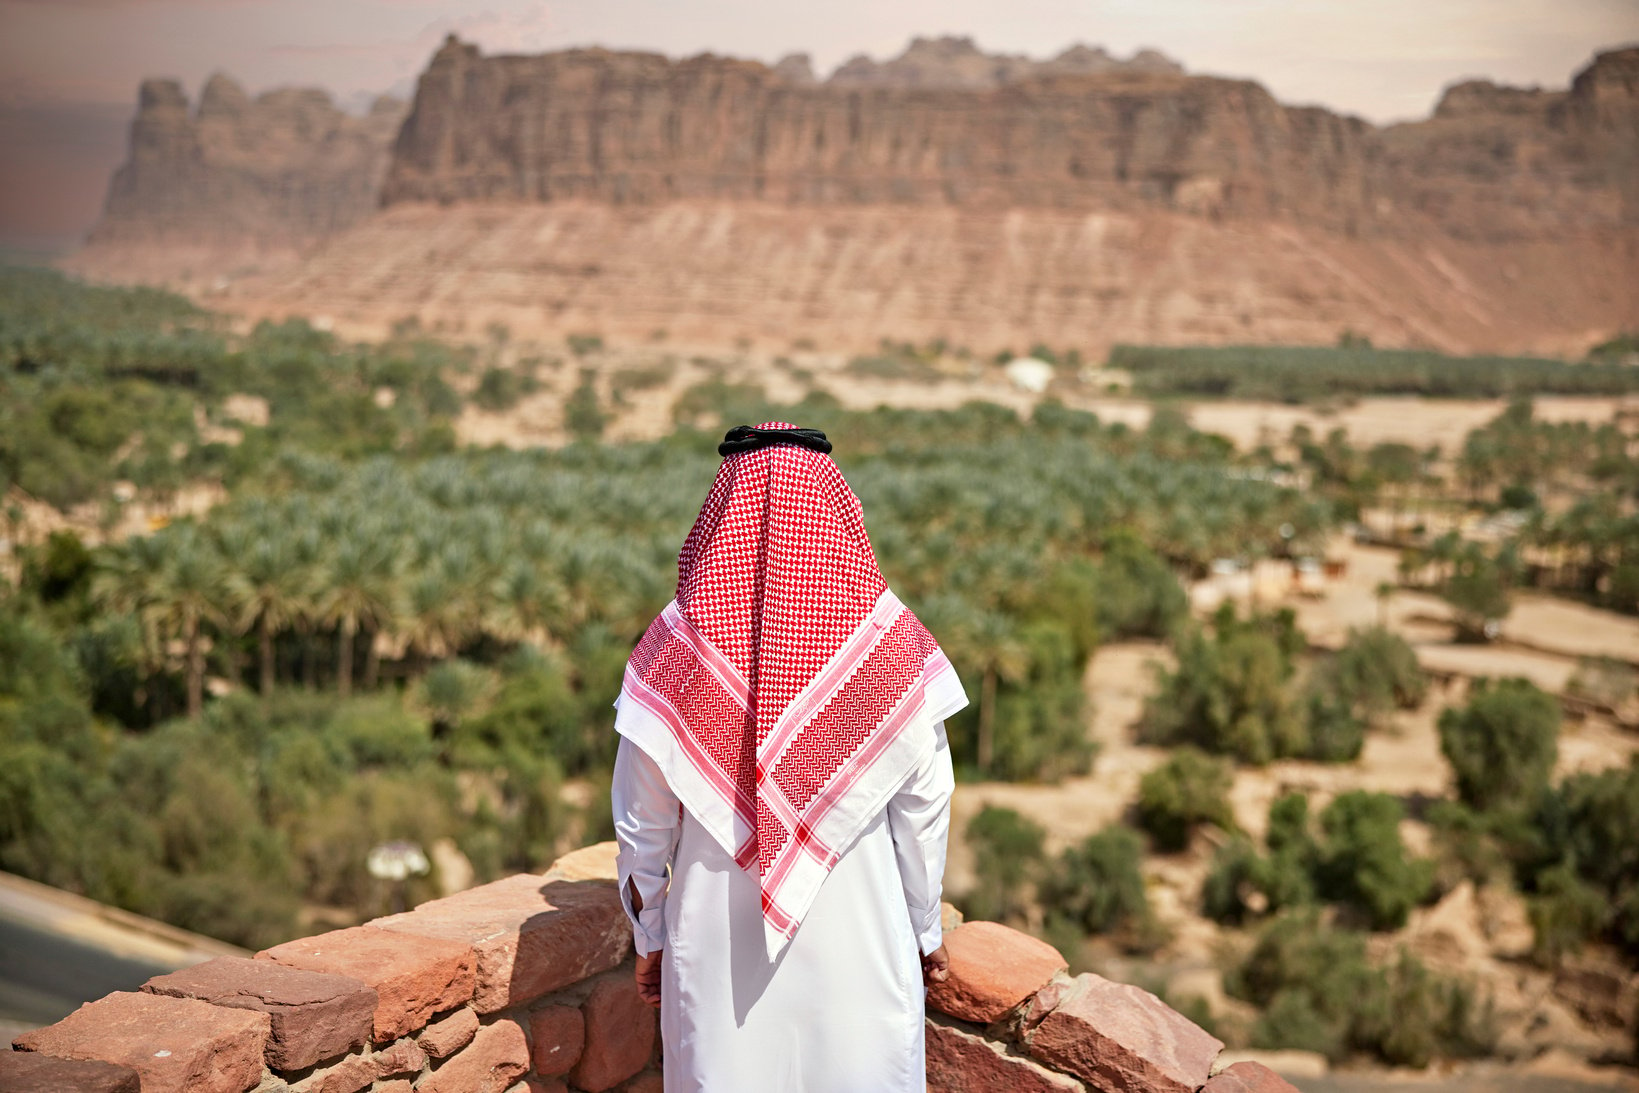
pixel 526 986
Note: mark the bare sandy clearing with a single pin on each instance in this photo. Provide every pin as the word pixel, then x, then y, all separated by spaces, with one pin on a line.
pixel 1369 421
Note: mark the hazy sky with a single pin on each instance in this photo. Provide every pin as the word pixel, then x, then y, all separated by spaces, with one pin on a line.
pixel 69 68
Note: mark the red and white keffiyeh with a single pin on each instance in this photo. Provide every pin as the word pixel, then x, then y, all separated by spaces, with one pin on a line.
pixel 785 693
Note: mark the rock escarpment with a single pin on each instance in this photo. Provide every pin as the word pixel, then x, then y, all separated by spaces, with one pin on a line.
pixel 945 125
pixel 987 201
pixel 639 128
pixel 283 169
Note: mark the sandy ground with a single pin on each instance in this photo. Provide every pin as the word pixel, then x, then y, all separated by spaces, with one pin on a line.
pixel 1445 422
pixel 788 376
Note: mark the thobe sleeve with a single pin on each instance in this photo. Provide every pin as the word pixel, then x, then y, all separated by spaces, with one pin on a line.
pixel 919 818
pixel 648 819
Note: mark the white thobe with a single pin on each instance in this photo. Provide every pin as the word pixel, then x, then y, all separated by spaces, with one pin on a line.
pixel 840 1010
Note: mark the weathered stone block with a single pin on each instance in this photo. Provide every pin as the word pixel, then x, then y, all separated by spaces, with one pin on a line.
pixel 595 862
pixel 960 1062
pixel 497 1057
pixel 1121 1039
pixel 447 1035
pixel 558 1033
pixel 31 1072
pixel 315 1016
pixel 396 1085
pixel 620 1034
pixel 350 1075
pixel 1248 1078
pixel 414 977
pixel 531 935
pixel 402 1057
pixel 992 969
pixel 176 1045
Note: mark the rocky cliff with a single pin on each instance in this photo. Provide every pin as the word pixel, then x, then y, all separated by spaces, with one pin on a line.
pixel 946 125
pixel 639 128
pixel 283 169
pixel 983 199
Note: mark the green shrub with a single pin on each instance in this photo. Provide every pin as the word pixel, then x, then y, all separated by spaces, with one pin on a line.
pixel 1363 862
pixel 1288 875
pixel 1583 860
pixel 1007 854
pixel 1502 744
pixel 1478 590
pixel 1319 993
pixel 1098 887
pixel 1137 595
pixel 582 415
pixel 1232 878
pixel 582 344
pixel 1466 846
pixel 1230 693
pixel 1281 879
pixel 1566 913
pixel 501 388
pixel 1190 788
pixel 1336 732
pixel 1376 672
pixel 1307 978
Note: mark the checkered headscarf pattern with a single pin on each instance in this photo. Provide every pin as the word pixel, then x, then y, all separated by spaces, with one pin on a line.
pixel 784 668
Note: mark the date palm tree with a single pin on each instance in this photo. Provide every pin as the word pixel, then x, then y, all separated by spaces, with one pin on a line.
pixel 270 589
pixel 188 593
pixel 525 603
pixel 359 587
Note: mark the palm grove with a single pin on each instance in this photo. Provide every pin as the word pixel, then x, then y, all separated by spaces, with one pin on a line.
pixel 408 639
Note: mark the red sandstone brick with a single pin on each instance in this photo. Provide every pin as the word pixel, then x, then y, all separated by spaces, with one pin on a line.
pixel 350 1075
pixel 397 1085
pixel 315 1016
pixel 531 935
pixel 497 1057
pixel 959 1062
pixel 176 1045
pixel 402 1057
pixel 545 1085
pixel 595 862
pixel 413 977
pixel 447 1035
pixel 620 1034
pixel 558 1033
pixel 992 969
pixel 1248 1077
pixel 1121 1039
pixel 31 1072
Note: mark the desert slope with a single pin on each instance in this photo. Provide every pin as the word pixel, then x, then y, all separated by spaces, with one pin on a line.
pixel 721 272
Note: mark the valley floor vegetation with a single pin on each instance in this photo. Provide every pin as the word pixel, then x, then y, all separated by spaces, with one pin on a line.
pixel 378 634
